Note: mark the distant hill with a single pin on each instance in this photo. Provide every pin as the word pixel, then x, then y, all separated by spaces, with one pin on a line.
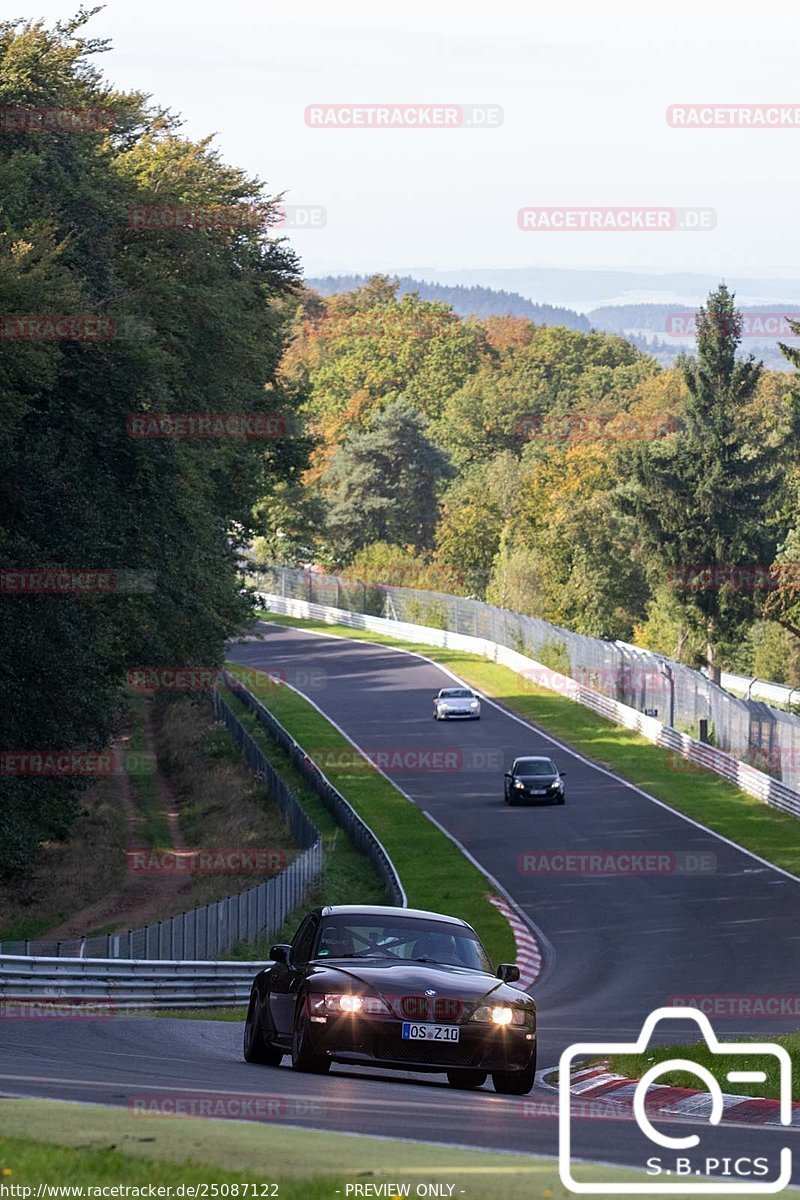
pixel 665 330
pixel 473 301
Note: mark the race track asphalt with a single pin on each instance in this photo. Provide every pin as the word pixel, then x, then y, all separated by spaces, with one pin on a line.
pixel 617 946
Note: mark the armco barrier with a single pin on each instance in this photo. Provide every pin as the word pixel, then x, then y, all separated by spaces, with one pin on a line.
pixel 46 986
pixel 749 779
pixel 341 810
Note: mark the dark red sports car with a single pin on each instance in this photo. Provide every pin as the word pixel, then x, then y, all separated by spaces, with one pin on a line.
pixel 395 988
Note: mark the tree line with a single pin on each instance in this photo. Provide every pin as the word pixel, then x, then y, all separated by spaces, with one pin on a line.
pixel 559 473
pixel 107 315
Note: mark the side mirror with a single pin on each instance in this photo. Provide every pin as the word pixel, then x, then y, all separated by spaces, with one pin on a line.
pixel 507 775
pixel 281 954
pixel 508 972
pixel 562 773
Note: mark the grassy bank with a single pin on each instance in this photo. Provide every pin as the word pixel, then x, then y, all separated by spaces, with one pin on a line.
pixel 698 793
pixel 50 1142
pixel 348 876
pixel 633 1066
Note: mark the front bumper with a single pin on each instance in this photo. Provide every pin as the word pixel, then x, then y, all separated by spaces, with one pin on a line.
pixel 377 1042
pixel 530 796
pixel 456 714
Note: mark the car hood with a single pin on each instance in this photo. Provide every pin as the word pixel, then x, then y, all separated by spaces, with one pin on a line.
pixel 388 979
pixel 538 780
pixel 456 701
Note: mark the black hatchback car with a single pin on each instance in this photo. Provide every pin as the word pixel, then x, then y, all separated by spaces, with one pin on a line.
pixel 396 988
pixel 534 780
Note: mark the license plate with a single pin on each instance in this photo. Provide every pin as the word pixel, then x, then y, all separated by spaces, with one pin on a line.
pixel 430 1033
pixel 538 792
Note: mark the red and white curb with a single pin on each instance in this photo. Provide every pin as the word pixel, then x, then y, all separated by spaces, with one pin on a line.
pixel 597 1083
pixel 529 955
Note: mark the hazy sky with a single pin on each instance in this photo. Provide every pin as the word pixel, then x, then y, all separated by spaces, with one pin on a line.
pixel 584 88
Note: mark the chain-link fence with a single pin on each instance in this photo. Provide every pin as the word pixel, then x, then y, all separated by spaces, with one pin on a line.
pixel 677 695
pixel 343 813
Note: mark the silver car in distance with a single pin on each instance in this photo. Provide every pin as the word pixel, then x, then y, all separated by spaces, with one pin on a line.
pixel 456 702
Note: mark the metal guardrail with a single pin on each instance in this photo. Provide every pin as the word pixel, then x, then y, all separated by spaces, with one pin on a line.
pixel 342 811
pixel 747 777
pixel 750 731
pixel 75 987
pixel 214 929
pixel 761 689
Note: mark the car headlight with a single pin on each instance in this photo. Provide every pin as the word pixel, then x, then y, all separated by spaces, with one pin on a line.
pixel 336 1003
pixel 473 704
pixel 518 783
pixel 501 1014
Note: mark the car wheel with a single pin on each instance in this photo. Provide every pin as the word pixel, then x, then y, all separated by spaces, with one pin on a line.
pixel 515 1083
pixel 303 1056
pixel 466 1079
pixel 563 800
pixel 512 800
pixel 254 1048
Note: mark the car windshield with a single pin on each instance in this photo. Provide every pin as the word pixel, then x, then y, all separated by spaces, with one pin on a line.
pixel 456 694
pixel 412 939
pixel 535 766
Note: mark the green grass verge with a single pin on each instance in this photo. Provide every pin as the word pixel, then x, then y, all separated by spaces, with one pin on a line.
pixel 46 1141
pixel 434 872
pixel 348 876
pixel 698 793
pixel 634 1066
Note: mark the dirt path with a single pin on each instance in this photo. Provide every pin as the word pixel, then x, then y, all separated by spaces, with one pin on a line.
pixel 143 897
